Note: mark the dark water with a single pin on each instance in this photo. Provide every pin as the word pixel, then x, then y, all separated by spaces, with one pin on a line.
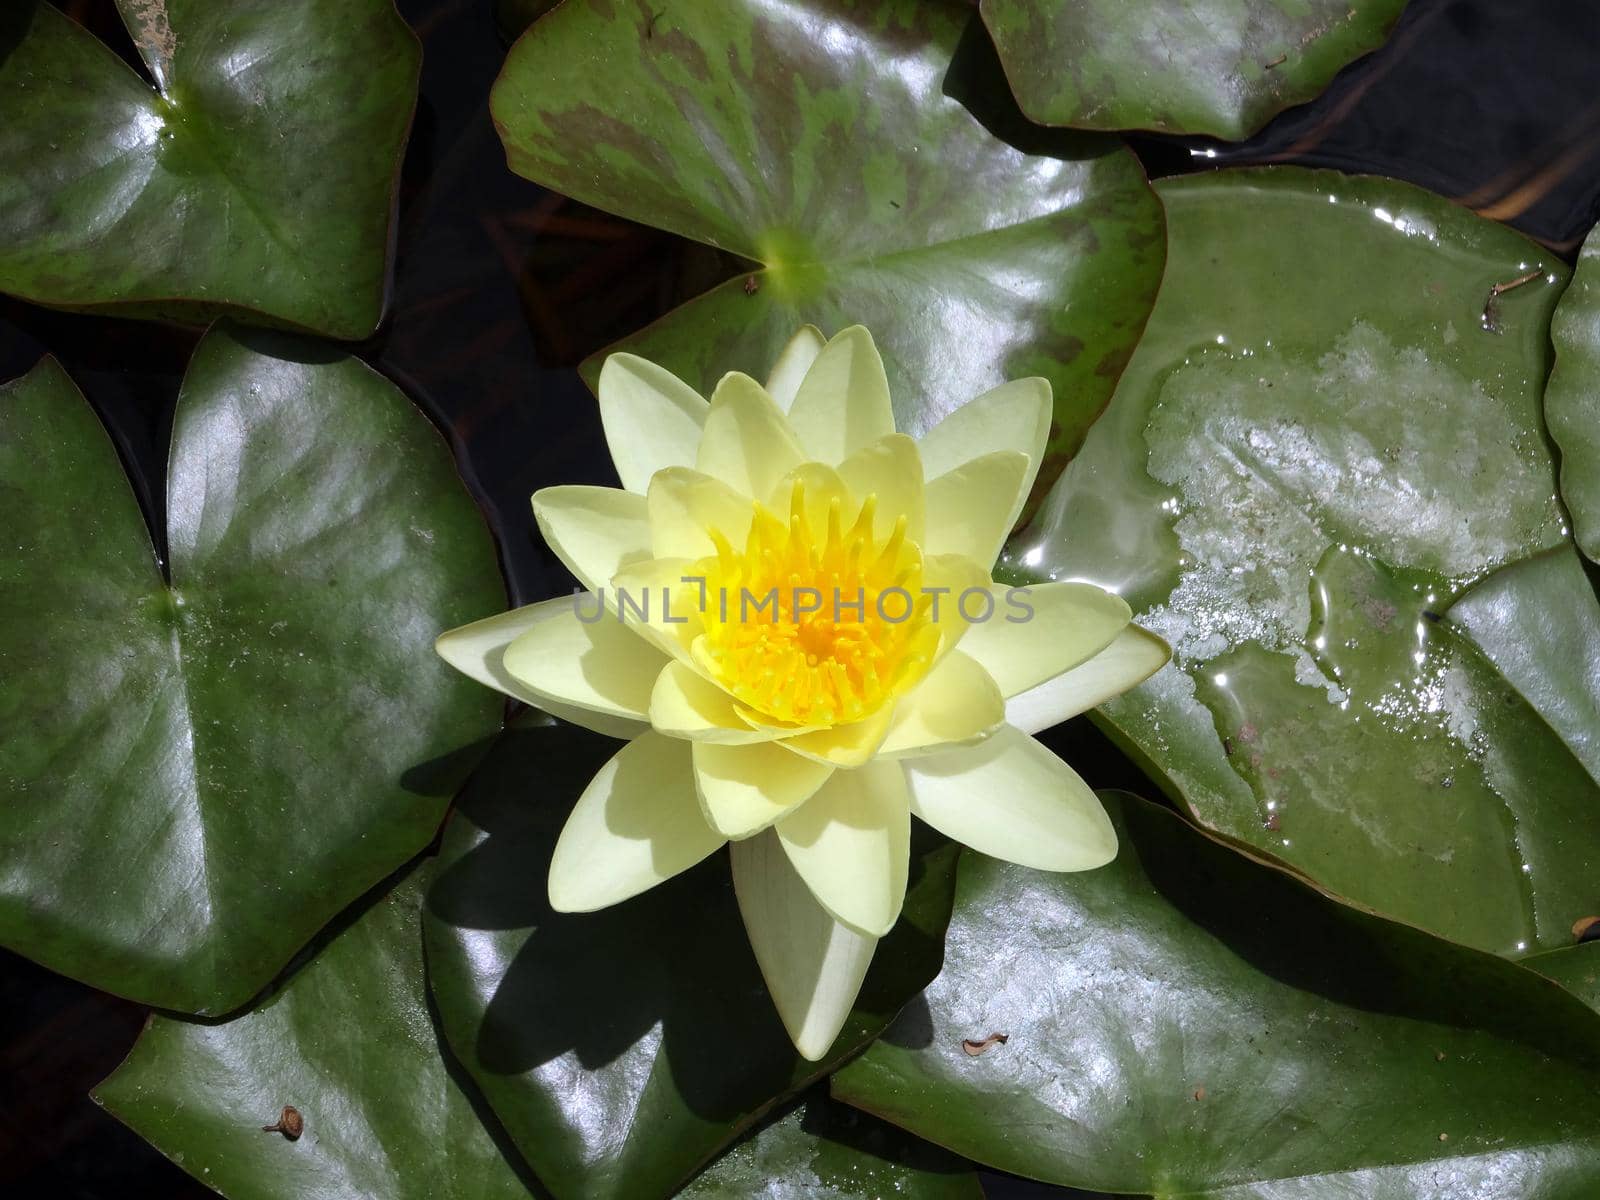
pixel 502 288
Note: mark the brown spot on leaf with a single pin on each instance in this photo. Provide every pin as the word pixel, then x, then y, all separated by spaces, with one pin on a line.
pixel 975 1047
pixel 152 32
pixel 1111 364
pixel 290 1123
pixel 1586 929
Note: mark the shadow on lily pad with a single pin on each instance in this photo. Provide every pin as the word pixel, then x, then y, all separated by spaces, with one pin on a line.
pixel 641 1035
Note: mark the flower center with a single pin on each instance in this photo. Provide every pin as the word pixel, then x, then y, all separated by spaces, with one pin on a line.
pixel 812 623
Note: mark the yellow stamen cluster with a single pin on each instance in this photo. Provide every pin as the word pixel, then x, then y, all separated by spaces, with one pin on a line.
pixel 803 625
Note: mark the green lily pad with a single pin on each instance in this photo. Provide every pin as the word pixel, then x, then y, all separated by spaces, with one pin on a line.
pixel 823 1150
pixel 1572 398
pixel 200 770
pixel 1222 67
pixel 623 1049
pixel 1538 622
pixel 1330 430
pixel 1576 968
pixel 350 1044
pixel 1185 1022
pixel 848 151
pixel 257 176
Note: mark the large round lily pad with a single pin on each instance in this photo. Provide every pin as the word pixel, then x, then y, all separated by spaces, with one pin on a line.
pixel 201 768
pixel 348 1043
pixel 823 1150
pixel 1186 1023
pixel 257 175
pixel 351 1044
pixel 623 1049
pixel 1331 429
pixel 1572 399
pixel 1222 67
pixel 856 152
pixel 1538 622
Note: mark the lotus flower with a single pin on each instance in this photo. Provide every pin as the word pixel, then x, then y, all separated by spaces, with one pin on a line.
pixel 790 616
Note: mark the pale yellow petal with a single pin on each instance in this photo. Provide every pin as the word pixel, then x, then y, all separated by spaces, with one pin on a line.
pixel 890 469
pixel 843 401
pixel 813 965
pixel 636 824
pixel 1013 416
pixel 685 704
pixel 820 486
pixel 772 725
pixel 747 441
pixel 683 506
pixel 1035 633
pixel 960 588
pixel 956 702
pixel 851 843
pixel 746 788
pixel 595 531
pixel 794 361
pixel 595 665
pixel 1009 797
pixel 659 599
pixel 652 419
pixel 843 745
pixel 972 508
pixel 1134 656
pixel 478 651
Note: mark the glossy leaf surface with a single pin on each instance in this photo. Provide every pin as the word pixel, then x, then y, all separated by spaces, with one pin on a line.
pixel 1576 968
pixel 1186 1022
pixel 824 1150
pixel 833 144
pixel 350 1044
pixel 1316 448
pixel 1222 67
pixel 624 1048
pixel 197 775
pixel 256 176
pixel 1538 622
pixel 1572 398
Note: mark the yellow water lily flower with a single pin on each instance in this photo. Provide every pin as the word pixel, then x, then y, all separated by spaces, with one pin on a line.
pixel 790 616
